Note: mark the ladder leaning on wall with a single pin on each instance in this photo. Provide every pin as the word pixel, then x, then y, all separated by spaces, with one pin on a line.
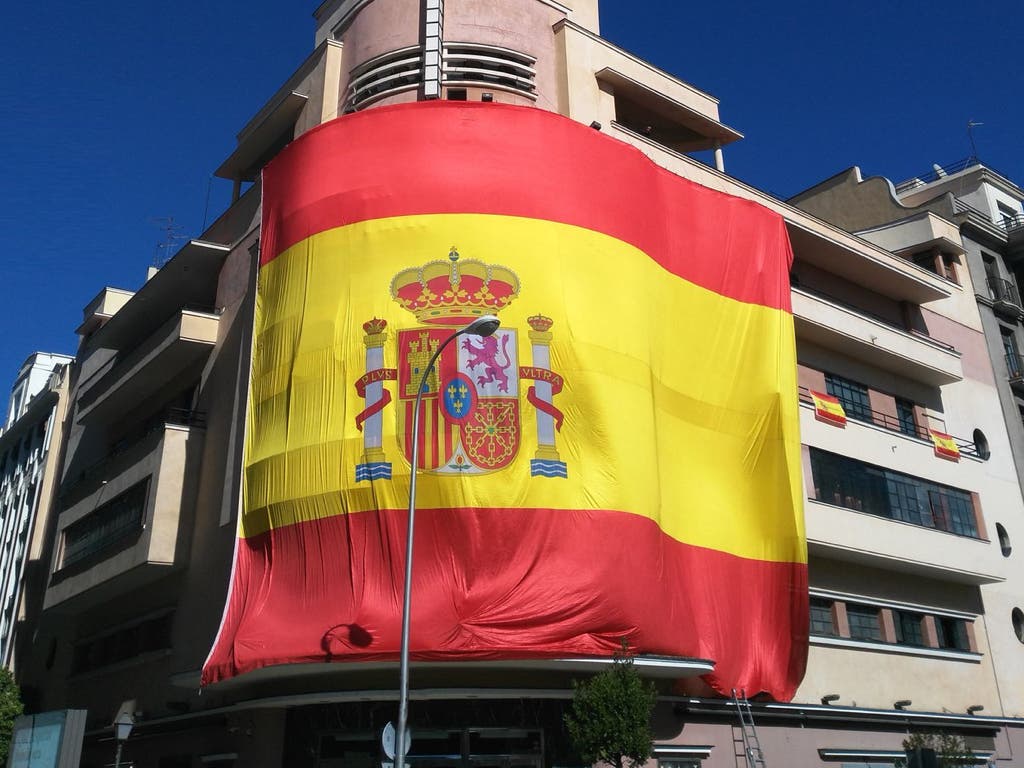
pixel 751 744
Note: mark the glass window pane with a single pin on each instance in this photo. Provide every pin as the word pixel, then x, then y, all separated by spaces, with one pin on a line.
pixel 821 618
pixel 853 396
pixel 864 622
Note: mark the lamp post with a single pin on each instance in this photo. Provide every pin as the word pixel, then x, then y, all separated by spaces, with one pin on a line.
pixel 482 326
pixel 122 729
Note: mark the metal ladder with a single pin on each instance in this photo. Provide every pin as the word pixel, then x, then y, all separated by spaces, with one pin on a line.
pixel 751 744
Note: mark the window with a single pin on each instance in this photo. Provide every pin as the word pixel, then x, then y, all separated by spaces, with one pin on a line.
pixel 864 622
pixel 1013 361
pixel 991 269
pixel 942 264
pixel 111 522
pixel 981 445
pixel 153 634
pixel 905 416
pixel 822 623
pixel 1004 540
pixel 853 396
pixel 909 628
pixel 677 762
pixel 864 487
pixel 953 513
pixel 952 633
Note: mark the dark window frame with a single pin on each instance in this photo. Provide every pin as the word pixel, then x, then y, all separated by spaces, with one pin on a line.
pixel 864 487
pixel 854 396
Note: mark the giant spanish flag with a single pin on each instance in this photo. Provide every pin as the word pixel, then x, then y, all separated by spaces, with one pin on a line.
pixel 619 460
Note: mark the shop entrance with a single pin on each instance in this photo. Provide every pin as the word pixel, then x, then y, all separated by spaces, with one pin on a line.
pixel 437 748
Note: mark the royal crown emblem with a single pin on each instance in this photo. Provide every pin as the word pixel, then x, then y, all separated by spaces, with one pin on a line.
pixel 470 418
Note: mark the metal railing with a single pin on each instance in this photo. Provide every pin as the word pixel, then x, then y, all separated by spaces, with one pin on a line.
pixel 1015 367
pixel 1011 223
pixel 924 336
pixel 1003 290
pixel 938 172
pixel 895 424
pixel 178 417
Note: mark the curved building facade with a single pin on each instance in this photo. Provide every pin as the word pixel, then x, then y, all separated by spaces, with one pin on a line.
pixel 237 454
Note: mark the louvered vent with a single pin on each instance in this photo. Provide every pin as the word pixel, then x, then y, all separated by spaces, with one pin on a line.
pixel 488 66
pixel 384 75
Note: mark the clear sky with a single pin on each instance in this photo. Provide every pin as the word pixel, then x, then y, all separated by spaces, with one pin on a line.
pixel 114 114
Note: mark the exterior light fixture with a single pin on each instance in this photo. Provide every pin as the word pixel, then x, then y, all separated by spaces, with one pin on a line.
pixel 482 326
pixel 829 698
pixel 903 703
pixel 975 708
pixel 122 730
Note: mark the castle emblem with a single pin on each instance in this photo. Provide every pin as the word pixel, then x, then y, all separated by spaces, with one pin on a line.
pixel 470 418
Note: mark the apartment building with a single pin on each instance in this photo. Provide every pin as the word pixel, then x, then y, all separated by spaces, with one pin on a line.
pixel 30 444
pixel 912 496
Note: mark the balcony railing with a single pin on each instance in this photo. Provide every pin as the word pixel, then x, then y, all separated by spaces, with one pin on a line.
pixel 1015 369
pixel 938 172
pixel 179 417
pixel 895 424
pixel 1012 223
pixel 1005 297
pixel 925 337
pixel 1003 290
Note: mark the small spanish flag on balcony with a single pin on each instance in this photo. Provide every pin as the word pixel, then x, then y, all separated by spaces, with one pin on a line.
pixel 828 409
pixel 945 446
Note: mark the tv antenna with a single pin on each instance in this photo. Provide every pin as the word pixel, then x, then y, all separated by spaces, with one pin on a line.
pixel 173 237
pixel 971 125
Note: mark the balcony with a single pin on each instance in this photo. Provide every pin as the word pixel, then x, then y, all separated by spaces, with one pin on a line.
pixel 1015 371
pixel 103 307
pixel 894 424
pixel 1005 298
pixel 840 533
pixel 126 519
pixel 833 324
pixel 179 346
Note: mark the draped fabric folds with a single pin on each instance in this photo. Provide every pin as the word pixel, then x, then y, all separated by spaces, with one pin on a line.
pixel 621 459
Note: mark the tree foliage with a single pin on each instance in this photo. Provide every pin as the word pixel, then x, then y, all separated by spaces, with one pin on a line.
pixel 10 708
pixel 951 751
pixel 610 717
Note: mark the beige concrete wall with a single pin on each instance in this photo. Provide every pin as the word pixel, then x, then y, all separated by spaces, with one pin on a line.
pixel 584 99
pixel 521 25
pixel 380 27
pixel 816 279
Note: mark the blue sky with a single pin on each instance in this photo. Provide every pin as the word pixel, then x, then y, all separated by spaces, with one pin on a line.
pixel 115 114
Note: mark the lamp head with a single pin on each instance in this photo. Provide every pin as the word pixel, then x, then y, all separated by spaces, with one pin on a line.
pixel 483 326
pixel 975 708
pixel 829 698
pixel 903 703
pixel 123 726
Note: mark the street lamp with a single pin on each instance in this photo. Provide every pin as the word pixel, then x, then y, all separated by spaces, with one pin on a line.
pixel 122 729
pixel 482 326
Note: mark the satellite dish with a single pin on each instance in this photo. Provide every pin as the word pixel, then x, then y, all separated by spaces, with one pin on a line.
pixel 389 740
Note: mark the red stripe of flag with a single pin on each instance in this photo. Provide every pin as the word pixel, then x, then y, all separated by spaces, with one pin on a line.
pixel 540 166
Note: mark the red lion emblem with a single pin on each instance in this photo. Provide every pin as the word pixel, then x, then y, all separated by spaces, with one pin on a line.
pixel 487 355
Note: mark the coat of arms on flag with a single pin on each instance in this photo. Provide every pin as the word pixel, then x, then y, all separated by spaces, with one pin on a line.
pixel 470 418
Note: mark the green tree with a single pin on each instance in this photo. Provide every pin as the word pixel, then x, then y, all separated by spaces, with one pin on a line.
pixel 10 708
pixel 610 717
pixel 951 750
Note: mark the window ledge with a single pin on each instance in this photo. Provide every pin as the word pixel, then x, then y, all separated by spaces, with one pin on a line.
pixel 916 526
pixel 907 650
